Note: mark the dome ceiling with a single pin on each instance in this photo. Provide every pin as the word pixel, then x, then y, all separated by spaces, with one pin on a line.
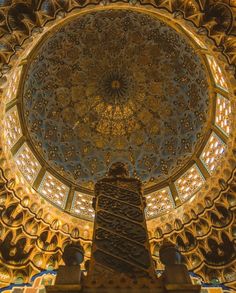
pixel 77 101
pixel 115 85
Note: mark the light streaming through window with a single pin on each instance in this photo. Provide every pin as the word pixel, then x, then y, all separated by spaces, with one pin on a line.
pixel 54 190
pixel 189 183
pixel 82 206
pixel 217 73
pixel 158 202
pixel 223 111
pixel 12 127
pixel 213 152
pixel 27 163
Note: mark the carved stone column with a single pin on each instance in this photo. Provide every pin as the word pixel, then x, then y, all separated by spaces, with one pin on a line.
pixel 120 250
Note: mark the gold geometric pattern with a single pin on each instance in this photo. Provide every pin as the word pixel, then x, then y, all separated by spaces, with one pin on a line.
pixel 131 104
pixel 217 73
pixel 54 190
pixel 189 183
pixel 213 152
pixel 12 86
pixel 27 163
pixel 12 127
pixel 223 111
pixel 82 206
pixel 222 118
pixel 159 202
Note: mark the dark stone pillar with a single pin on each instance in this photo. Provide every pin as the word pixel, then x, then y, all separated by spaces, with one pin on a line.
pixel 120 241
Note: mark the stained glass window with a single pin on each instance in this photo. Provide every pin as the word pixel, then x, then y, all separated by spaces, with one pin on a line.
pixel 223 111
pixel 213 152
pixel 54 190
pixel 82 205
pixel 217 73
pixel 189 183
pixel 27 163
pixel 13 83
pixel 159 202
pixel 12 127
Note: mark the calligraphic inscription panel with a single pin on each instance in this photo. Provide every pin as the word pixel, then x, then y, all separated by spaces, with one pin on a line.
pixel 120 241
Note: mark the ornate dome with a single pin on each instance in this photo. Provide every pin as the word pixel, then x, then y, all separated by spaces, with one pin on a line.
pixel 118 85
pixel 115 85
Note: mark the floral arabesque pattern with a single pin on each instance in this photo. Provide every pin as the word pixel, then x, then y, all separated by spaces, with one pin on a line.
pixel 96 100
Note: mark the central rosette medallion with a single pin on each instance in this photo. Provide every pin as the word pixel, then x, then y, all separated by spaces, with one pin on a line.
pixel 116 87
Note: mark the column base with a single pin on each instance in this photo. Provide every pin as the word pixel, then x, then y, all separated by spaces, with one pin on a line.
pixel 68 275
pixel 182 288
pixel 69 288
pixel 76 288
pixel 171 288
